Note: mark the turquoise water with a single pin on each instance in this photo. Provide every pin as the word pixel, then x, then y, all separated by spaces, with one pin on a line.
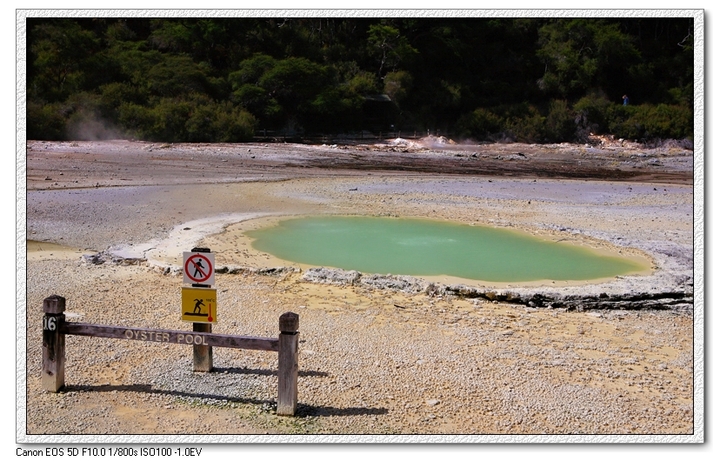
pixel 428 248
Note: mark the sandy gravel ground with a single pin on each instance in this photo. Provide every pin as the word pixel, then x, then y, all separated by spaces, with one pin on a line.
pixel 372 361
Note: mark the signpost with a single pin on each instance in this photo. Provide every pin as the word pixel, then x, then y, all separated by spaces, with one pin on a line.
pixel 199 303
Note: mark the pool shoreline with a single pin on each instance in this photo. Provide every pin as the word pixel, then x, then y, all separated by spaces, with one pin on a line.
pixel 225 233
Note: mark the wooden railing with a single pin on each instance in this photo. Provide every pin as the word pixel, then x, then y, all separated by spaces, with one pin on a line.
pixel 55 328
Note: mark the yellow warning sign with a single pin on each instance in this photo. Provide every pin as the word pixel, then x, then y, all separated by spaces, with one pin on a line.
pixel 199 305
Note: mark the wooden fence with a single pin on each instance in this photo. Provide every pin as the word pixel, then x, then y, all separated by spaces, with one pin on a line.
pixel 286 345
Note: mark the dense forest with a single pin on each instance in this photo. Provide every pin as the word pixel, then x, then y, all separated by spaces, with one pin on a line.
pixel 234 79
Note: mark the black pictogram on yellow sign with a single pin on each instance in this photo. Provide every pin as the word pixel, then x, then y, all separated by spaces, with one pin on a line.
pixel 199 305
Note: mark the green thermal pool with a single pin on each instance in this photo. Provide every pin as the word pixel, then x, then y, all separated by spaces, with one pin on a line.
pixel 422 247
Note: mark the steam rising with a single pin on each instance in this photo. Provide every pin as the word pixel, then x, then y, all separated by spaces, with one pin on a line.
pixel 92 129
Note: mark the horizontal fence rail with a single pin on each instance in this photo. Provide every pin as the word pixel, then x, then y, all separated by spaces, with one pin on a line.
pixel 171 336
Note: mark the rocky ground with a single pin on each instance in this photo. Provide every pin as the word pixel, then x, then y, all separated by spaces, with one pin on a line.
pixel 373 360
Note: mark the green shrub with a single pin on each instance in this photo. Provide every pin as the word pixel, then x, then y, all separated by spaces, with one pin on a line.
pixel 591 114
pixel 481 124
pixel 44 121
pixel 647 122
pixel 233 124
pixel 199 119
pixel 113 95
pixel 219 122
pixel 138 121
pixel 559 123
pixel 528 126
pixel 168 118
pixel 668 122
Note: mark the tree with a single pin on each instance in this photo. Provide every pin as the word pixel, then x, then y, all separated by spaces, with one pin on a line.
pixel 175 76
pixel 60 58
pixel 389 47
pixel 583 55
pixel 281 92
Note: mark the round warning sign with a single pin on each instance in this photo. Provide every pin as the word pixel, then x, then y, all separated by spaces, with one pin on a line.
pixel 199 268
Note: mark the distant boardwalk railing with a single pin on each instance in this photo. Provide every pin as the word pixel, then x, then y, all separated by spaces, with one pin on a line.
pixel 55 328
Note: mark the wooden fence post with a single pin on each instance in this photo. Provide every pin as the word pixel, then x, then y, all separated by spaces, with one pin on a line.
pixel 202 355
pixel 288 364
pixel 53 345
